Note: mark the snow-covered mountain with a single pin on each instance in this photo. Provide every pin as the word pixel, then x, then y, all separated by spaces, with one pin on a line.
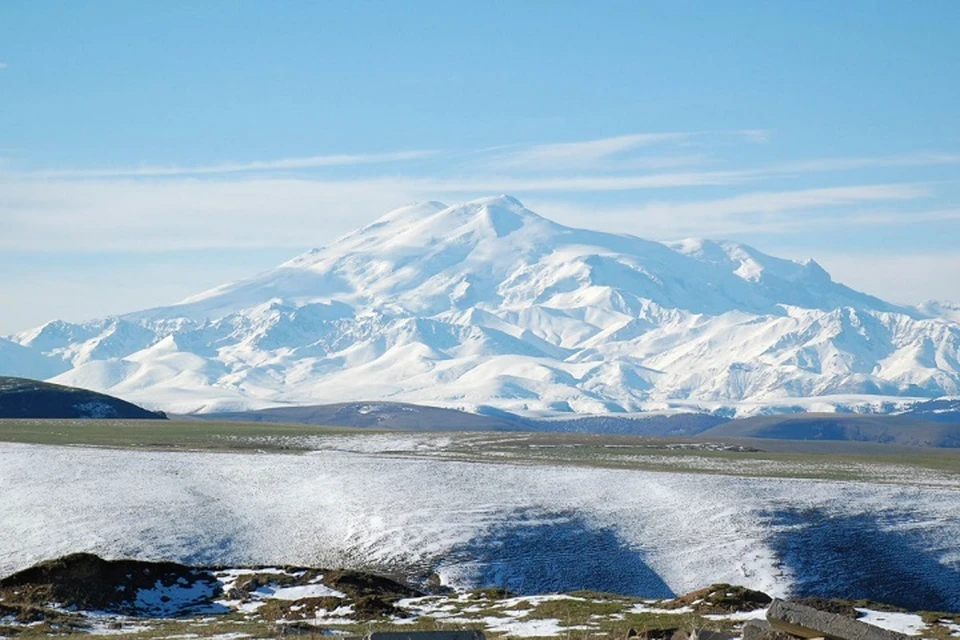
pixel 488 305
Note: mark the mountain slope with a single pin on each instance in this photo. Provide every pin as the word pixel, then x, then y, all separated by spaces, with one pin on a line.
pixel 488 305
pixel 29 363
pixel 376 415
pixel 23 398
pixel 900 429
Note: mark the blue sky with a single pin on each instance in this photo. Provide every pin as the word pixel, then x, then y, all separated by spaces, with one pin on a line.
pixel 150 150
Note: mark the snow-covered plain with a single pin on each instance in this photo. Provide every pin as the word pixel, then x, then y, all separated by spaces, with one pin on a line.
pixel 487 304
pixel 531 528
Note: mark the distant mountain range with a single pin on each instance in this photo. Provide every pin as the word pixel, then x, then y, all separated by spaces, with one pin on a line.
pixel 394 415
pixel 931 424
pixel 488 307
pixel 913 429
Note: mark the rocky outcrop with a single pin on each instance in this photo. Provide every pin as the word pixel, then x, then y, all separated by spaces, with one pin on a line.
pixel 802 621
pixel 25 398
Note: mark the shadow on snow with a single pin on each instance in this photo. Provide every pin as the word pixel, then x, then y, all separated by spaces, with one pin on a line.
pixel 875 556
pixel 542 553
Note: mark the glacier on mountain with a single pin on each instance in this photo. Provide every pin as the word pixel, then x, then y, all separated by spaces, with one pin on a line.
pixel 488 305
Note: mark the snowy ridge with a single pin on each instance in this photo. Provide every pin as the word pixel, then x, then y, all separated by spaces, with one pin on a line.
pixel 487 304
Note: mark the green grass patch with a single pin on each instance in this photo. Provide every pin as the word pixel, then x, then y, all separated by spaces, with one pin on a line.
pixel 167 435
pixel 850 461
pixel 575 612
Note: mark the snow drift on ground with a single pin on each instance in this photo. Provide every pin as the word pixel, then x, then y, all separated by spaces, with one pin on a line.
pixel 530 528
pixel 488 304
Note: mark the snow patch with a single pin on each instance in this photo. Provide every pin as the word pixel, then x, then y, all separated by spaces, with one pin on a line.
pixel 907 623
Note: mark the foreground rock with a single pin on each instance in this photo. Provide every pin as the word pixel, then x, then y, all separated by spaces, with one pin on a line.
pixel 806 622
pixel 85 582
pixel 132 587
pixel 426 635
pixel 83 593
pixel 762 630
pixel 721 598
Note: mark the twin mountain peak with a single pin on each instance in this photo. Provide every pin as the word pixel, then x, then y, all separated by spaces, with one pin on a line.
pixel 487 305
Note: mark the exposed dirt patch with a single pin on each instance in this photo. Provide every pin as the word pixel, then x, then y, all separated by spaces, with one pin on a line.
pixel 302 609
pixel 840 607
pixel 248 583
pixel 720 599
pixel 372 607
pixel 491 593
pixel 357 585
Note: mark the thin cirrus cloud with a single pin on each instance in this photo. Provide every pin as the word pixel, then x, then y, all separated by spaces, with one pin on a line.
pixel 308 162
pixel 779 201
pixel 606 152
pixel 663 180
pixel 925 159
pixel 111 214
pixel 596 154
pixel 184 213
pixel 601 164
pixel 163 208
pixel 585 153
pixel 755 212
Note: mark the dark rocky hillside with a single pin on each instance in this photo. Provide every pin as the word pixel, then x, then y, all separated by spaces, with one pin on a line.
pixel 906 430
pixel 377 415
pixel 938 410
pixel 25 398
pixel 400 415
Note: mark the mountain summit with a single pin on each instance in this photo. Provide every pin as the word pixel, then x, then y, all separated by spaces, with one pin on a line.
pixel 487 304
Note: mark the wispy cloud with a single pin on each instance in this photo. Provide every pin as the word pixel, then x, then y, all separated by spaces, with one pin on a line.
pixel 778 201
pixel 582 154
pixel 498 184
pixel 101 214
pixel 3 65
pixel 269 203
pixel 605 164
pixel 186 213
pixel 756 136
pixel 309 162
pixel 774 212
pixel 925 159
pixel 605 152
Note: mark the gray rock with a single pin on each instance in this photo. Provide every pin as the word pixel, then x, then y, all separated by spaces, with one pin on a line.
pixel 708 634
pixel 426 635
pixel 761 630
pixel 807 622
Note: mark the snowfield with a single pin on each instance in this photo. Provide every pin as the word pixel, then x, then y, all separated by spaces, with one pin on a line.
pixel 487 304
pixel 532 528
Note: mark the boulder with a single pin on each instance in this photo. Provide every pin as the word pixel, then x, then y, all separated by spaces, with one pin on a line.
pixel 761 630
pixel 720 599
pixel 709 634
pixel 426 635
pixel 807 622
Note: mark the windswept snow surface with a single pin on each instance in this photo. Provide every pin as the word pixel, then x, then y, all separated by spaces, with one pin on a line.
pixel 487 304
pixel 910 624
pixel 531 528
